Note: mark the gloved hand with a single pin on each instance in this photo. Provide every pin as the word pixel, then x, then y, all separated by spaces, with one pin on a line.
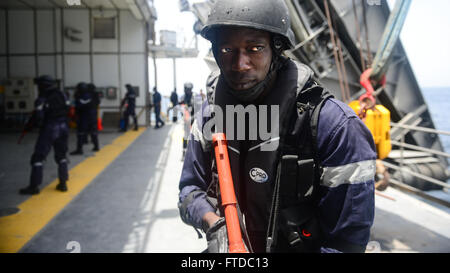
pixel 217 237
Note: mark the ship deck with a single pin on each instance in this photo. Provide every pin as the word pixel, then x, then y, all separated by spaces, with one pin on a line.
pixel 124 199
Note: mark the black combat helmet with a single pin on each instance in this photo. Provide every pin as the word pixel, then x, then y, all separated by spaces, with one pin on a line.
pixel 188 86
pixel 82 87
pixel 91 87
pixel 45 82
pixel 271 16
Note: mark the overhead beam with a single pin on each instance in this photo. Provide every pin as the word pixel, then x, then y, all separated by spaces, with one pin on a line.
pixel 134 9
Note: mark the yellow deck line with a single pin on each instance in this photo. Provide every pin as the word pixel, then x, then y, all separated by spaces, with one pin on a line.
pixel 16 230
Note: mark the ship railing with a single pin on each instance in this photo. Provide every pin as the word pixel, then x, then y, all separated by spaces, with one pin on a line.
pixel 400 168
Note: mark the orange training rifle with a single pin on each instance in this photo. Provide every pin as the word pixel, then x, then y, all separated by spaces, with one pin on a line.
pixel 229 202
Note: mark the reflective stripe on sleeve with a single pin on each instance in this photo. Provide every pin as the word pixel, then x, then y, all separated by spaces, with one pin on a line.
pixel 354 173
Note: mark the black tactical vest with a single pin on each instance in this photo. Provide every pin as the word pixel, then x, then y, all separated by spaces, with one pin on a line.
pixel 56 108
pixel 254 169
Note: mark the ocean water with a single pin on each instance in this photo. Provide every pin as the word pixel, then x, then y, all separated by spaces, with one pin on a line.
pixel 438 101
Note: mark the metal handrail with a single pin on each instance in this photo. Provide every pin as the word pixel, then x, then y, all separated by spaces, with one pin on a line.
pixel 418 148
pixel 418 175
pixel 405 187
pixel 402 145
pixel 421 129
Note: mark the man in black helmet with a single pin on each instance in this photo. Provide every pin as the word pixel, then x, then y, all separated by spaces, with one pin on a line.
pixel 51 109
pixel 157 104
pixel 187 98
pixel 86 103
pixel 130 101
pixel 93 121
pixel 174 107
pixel 308 187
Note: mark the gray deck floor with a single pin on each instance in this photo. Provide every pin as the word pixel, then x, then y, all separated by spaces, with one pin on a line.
pixel 132 205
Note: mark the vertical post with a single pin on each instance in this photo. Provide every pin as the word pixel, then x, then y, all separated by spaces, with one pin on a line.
pixel 119 56
pixel 91 62
pixel 36 57
pixel 63 61
pixel 146 77
pixel 196 41
pixel 174 73
pixel 55 44
pixel 156 71
pixel 7 43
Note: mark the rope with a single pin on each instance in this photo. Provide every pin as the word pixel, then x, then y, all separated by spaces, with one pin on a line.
pixel 358 34
pixel 336 57
pixel 369 52
pixel 344 72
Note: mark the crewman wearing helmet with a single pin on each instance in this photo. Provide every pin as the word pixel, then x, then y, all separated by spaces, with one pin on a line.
pixel 130 101
pixel 187 98
pixel 86 103
pixel 309 185
pixel 51 115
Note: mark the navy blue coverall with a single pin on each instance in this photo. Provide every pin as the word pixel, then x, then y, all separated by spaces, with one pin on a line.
pixel 130 100
pixel 51 110
pixel 86 102
pixel 157 103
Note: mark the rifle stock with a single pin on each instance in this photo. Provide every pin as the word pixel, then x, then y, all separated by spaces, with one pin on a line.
pixel 236 244
pixel 28 126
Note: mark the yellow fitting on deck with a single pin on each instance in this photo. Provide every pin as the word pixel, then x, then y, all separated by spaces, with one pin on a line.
pixel 379 123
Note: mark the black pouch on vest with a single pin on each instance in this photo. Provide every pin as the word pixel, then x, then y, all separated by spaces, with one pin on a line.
pixel 298 222
pixel 300 228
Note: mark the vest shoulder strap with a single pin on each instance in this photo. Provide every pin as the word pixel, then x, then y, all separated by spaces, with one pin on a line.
pixel 299 169
pixel 300 156
pixel 303 127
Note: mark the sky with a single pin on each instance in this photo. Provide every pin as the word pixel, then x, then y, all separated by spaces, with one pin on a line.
pixel 192 70
pixel 425 37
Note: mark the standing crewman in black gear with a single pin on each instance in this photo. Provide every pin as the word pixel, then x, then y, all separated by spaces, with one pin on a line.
pixel 174 101
pixel 86 102
pixel 51 110
pixel 93 121
pixel 130 101
pixel 187 98
pixel 157 103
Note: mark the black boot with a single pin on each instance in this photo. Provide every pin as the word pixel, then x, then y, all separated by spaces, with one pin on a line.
pixel 95 142
pixel 30 190
pixel 62 186
pixel 135 123
pixel 35 177
pixel 77 152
